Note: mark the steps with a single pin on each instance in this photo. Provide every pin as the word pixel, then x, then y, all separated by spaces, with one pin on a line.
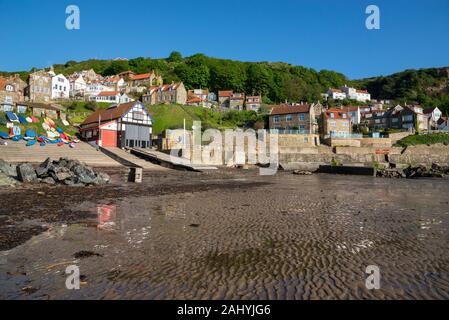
pixel 17 152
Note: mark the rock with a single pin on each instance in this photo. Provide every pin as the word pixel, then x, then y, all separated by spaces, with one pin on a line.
pixel 5 180
pixel 46 164
pixel 48 180
pixel 302 173
pixel 62 173
pixel 103 178
pixel 84 174
pixel 26 173
pixel 42 172
pixel 8 169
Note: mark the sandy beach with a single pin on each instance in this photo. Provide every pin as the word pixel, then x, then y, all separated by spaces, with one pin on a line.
pixel 227 235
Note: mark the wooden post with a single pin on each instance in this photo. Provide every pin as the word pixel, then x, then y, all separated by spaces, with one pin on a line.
pixel 135 175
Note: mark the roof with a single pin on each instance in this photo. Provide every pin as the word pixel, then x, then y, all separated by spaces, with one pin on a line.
pixel 112 113
pixel 226 93
pixel 351 108
pixel 141 76
pixel 2 83
pixel 108 93
pixel 429 110
pixel 288 109
pixel 336 90
pixel 338 113
pixel 362 91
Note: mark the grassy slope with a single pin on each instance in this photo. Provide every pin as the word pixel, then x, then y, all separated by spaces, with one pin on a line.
pixel 424 139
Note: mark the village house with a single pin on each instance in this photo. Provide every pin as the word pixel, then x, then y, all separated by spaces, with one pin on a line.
pixel 60 87
pixel 39 86
pixel 237 101
pixel 125 125
pixel 224 99
pixel 93 88
pixel 346 92
pixel 433 115
pixel 115 82
pixel 336 94
pixel 355 113
pixel 111 97
pixel 78 86
pixel 10 93
pixel 145 79
pixel 356 94
pixel 443 124
pixel 174 93
pixel 199 97
pixel 253 103
pixel 336 123
pixel 298 118
pixel 406 118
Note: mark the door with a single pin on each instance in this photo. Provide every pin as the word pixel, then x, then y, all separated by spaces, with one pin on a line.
pixel 109 138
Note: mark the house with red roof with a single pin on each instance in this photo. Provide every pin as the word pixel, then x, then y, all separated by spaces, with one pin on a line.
pixel 336 123
pixel 121 125
pixel 174 93
pixel 300 118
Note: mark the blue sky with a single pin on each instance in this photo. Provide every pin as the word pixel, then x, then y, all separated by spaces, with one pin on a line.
pixel 322 34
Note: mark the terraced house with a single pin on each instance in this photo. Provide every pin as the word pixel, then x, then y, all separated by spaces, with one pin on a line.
pixel 174 93
pixel 11 92
pixel 39 86
pixel 295 119
pixel 336 123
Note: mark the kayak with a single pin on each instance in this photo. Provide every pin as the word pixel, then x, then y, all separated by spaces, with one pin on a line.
pixel 45 126
pixel 15 131
pixel 31 143
pixel 34 119
pixel 11 116
pixel 22 119
pixel 30 133
pixel 59 130
pixel 72 145
pixel 60 144
pixel 65 122
pixel 17 138
pixel 29 120
pixel 4 135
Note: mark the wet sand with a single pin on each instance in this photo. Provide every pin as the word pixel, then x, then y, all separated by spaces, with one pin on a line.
pixel 228 235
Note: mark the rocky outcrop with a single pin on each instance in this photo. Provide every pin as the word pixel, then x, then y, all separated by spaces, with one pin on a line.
pixel 62 171
pixel 434 171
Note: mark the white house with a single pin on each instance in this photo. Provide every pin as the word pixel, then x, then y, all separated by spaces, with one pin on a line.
pixel 346 92
pixel 336 94
pixel 433 115
pixel 94 88
pixel 111 97
pixel 356 94
pixel 77 86
pixel 355 113
pixel 60 87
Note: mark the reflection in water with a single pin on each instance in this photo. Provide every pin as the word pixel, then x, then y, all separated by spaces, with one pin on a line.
pixel 106 217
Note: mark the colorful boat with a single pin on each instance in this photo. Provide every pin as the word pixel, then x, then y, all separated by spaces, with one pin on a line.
pixel 17 138
pixel 22 119
pixel 11 116
pixel 4 135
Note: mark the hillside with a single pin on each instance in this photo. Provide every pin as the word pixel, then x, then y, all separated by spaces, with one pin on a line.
pixel 276 81
pixel 428 87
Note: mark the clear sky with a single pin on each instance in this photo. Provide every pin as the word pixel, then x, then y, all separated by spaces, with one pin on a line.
pixel 322 34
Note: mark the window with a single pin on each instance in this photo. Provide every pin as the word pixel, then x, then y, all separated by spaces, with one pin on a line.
pixel 344 115
pixel 302 117
pixel 9 88
pixel 277 119
pixel 138 115
pixel 289 117
pixel 332 115
pixel 333 123
pixel 394 120
pixel 302 127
